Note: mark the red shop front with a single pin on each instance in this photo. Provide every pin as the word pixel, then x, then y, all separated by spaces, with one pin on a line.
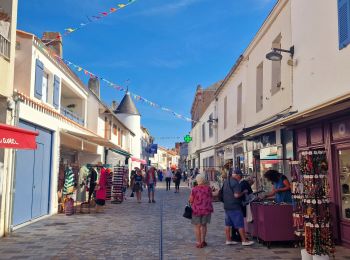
pixel 333 135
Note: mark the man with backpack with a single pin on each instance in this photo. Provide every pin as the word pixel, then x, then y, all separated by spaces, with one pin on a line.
pixel 232 194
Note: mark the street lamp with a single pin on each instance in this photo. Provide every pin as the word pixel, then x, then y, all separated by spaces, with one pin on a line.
pixel 275 54
pixel 212 120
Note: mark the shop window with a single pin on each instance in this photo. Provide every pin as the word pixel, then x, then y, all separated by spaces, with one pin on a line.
pixel 259 87
pixel 344 169
pixel 276 68
pixel 239 104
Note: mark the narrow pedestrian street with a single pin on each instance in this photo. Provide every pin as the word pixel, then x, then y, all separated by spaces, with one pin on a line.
pixel 133 231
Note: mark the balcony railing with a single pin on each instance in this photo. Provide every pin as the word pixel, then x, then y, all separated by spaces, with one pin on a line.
pixel 73 116
pixel 5 47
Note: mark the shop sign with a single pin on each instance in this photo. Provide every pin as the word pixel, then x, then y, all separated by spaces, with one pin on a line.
pixel 17 138
pixel 341 129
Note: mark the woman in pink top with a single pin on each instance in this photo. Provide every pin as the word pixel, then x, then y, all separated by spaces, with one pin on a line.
pixel 101 192
pixel 201 202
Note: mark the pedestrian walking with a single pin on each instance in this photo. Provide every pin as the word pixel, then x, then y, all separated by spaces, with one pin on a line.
pixel 232 195
pixel 151 182
pixel 177 180
pixel 138 183
pixel 168 177
pixel 201 199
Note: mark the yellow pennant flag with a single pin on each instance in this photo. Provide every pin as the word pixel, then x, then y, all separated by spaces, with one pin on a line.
pixel 80 69
pixel 121 5
pixel 70 30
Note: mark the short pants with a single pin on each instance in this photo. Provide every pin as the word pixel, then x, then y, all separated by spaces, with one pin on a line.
pixel 234 218
pixel 150 187
pixel 205 219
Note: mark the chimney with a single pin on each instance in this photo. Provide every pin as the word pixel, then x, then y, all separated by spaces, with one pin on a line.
pixel 94 86
pixel 114 105
pixel 54 40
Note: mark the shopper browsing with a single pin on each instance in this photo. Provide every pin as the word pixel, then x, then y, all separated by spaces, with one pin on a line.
pixel 151 182
pixel 232 195
pixel 168 177
pixel 201 201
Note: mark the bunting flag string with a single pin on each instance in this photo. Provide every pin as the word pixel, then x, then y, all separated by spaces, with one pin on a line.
pixel 136 97
pixel 92 19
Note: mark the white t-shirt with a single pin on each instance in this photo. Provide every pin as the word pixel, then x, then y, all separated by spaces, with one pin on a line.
pixel 169 174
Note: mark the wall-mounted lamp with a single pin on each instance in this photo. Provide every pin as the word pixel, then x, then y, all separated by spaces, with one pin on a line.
pixel 212 120
pixel 275 54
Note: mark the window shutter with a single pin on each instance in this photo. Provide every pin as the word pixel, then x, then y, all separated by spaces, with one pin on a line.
pixel 56 91
pixel 39 73
pixel 344 23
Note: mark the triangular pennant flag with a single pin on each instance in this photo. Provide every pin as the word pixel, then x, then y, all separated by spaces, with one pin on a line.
pixel 104 13
pixel 80 69
pixel 121 5
pixel 113 10
pixel 70 30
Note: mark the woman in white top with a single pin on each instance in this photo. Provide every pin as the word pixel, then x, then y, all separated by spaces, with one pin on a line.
pixel 168 178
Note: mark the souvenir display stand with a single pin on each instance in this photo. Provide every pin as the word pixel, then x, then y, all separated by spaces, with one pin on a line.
pixel 312 217
pixel 119 173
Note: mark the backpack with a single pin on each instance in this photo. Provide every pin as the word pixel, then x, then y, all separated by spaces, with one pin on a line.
pixel 221 191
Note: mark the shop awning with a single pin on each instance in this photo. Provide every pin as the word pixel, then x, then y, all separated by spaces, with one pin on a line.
pixel 121 152
pixel 93 139
pixel 134 159
pixel 17 138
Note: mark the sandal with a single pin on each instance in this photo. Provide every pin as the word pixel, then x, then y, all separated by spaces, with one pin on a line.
pixel 199 245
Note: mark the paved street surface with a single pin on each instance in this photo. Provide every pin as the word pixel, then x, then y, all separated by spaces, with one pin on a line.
pixel 133 231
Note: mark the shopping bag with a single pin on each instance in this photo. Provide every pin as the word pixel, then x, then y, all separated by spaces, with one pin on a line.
pixel 187 212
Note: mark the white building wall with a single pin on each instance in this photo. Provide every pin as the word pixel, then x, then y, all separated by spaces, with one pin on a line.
pixel 322 70
pixel 229 90
pixel 278 23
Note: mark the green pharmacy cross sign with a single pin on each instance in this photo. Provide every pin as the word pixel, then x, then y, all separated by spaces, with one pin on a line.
pixel 187 138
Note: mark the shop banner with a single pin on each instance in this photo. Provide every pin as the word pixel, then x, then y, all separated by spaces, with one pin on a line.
pixel 17 138
pixel 153 148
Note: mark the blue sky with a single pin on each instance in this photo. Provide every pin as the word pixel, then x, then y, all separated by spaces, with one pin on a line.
pixel 165 48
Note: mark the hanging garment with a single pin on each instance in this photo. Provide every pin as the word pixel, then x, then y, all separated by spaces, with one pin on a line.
pixel 68 187
pixel 82 183
pixel 102 183
pixel 92 182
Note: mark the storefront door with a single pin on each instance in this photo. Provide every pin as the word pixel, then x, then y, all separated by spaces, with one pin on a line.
pixel 32 182
pixel 343 181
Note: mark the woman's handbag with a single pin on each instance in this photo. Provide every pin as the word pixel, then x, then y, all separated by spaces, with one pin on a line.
pixel 188 212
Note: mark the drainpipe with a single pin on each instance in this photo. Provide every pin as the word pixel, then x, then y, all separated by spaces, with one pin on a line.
pixel 10 184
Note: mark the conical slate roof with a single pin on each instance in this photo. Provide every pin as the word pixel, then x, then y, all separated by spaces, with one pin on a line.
pixel 127 106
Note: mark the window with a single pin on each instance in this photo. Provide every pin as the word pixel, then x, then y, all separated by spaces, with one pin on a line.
pixel 45 87
pixel 211 133
pixel 114 129
pixel 276 68
pixel 344 23
pixel 259 86
pixel 119 136
pixel 203 132
pixel 225 112
pixel 239 104
pixel 122 138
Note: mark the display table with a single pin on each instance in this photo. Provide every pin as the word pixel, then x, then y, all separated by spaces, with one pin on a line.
pixel 272 222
